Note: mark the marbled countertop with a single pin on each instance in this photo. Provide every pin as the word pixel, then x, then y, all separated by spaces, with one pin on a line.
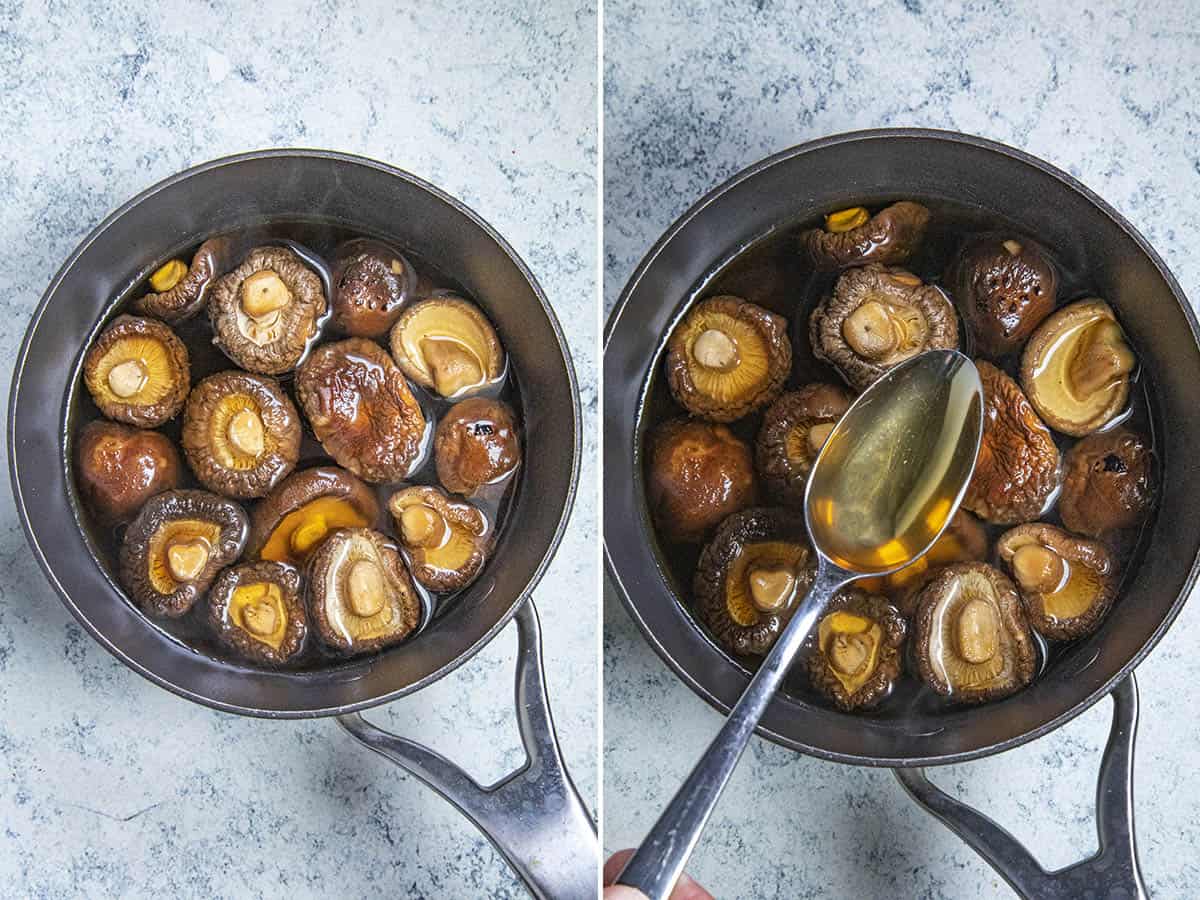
pixel 697 91
pixel 108 785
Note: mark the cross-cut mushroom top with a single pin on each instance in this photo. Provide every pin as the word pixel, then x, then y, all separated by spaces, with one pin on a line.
pixel 858 654
pixel 446 539
pixel 179 291
pixel 371 283
pixel 137 372
pixel 854 237
pixel 794 429
pixel 257 610
pixel 1109 485
pixel 301 511
pixel 448 345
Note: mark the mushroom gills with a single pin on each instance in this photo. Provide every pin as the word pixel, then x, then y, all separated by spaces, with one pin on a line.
pixel 301 530
pixel 258 610
pixel 1067 590
pixel 179 551
pixel 764 580
pixel 850 644
pixel 136 370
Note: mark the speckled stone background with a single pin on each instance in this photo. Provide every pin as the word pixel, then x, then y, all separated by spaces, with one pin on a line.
pixel 108 785
pixel 695 92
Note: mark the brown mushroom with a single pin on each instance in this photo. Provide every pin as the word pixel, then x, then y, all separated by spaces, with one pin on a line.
pixel 241 433
pixel 179 291
pixel 256 610
pixel 727 358
pixel 1109 485
pixel 477 444
pixel 793 431
pixel 371 283
pixel 1005 285
pixel 1017 469
pixel 877 318
pixel 972 642
pixel 1067 582
pixel 268 310
pixel 1077 367
pixel 137 372
pixel 447 344
pixel 295 517
pixel 176 546
pixel 359 594
pixel 699 473
pixel 854 237
pixel 858 650
pixel 751 576
pixel 446 539
pixel 118 468
pixel 361 409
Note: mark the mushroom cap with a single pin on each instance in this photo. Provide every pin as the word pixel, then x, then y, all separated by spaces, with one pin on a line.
pixel 889 237
pixel 1109 485
pixel 188 296
pixel 256 609
pixel 858 652
pixel 1018 465
pixel 322 499
pixel 119 467
pixel 787 445
pixel 371 283
pixel 156 354
pixel 361 409
pixel 749 350
pixel 447 344
pixel 698 474
pixel 889 309
pixel 450 552
pixel 477 444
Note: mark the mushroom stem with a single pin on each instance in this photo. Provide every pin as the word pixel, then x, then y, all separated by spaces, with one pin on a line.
pixel 422 526
pixel 263 293
pixel 818 435
pixel 260 617
pixel 846 219
pixel 168 275
pixel 1013 247
pixel 871 330
pixel 714 349
pixel 246 432
pixel 365 589
pixel 187 559
pixel 308 534
pixel 978 630
pixel 453 366
pixel 127 378
pixel 1103 358
pixel 849 653
pixel 1038 569
pixel 772 589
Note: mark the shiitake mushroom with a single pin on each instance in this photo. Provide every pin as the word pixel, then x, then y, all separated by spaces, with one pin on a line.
pixel 793 432
pixel 176 546
pixel 448 345
pixel 858 652
pixel 1109 485
pixel 446 539
pixel 854 237
pixel 118 468
pixel 371 283
pixel 241 433
pixel 179 291
pixel 257 610
pixel 477 444
pixel 137 372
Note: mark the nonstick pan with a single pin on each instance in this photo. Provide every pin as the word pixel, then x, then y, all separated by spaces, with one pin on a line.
pixel 534 816
pixel 863 167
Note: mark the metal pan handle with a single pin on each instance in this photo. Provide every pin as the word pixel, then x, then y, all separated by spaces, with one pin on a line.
pixel 534 816
pixel 1112 872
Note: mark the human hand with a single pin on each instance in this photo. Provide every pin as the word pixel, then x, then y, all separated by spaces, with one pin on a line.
pixel 686 889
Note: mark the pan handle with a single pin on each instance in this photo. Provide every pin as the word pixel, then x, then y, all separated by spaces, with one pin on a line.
pixel 1112 872
pixel 534 816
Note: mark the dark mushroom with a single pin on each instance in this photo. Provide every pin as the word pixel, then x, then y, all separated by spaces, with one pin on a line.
pixel 1018 466
pixel 267 311
pixel 447 344
pixel 176 546
pixel 137 372
pixel 241 433
pixel 1005 286
pixel 853 237
pixel 793 431
pixel 359 594
pixel 1109 485
pixel 371 283
pixel 446 539
pixel 877 318
pixel 361 409
pixel 972 643
pixel 256 610
pixel 1067 582
pixel 179 291
pixel 477 444
pixel 118 468
pixel 294 518
pixel 751 575
pixel 727 358
pixel 858 650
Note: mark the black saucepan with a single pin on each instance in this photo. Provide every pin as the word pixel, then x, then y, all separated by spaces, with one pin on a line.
pixel 519 814
pixel 843 171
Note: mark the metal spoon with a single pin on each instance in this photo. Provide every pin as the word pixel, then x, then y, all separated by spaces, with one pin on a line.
pixel 883 488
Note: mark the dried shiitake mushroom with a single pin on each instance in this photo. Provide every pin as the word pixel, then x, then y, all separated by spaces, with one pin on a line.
pixel 854 237
pixel 176 546
pixel 1005 286
pixel 179 291
pixel 1067 582
pixel 1017 469
pixel 1109 485
pixel 858 653
pixel 137 372
pixel 972 642
pixel 1076 368
pixel 793 432
pixel 699 473
pixel 877 318
pixel 476 444
pixel 304 508
pixel 727 358
pixel 359 594
pixel 751 575
pixel 118 468
pixel 446 539
pixel 361 409
pixel 241 433
pixel 256 610
pixel 267 311
pixel 448 345
pixel 371 283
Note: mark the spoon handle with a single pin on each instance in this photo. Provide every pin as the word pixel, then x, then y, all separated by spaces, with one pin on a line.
pixel 659 861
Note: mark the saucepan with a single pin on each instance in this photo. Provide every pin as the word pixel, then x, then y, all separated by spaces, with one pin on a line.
pixel 534 816
pixel 843 171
